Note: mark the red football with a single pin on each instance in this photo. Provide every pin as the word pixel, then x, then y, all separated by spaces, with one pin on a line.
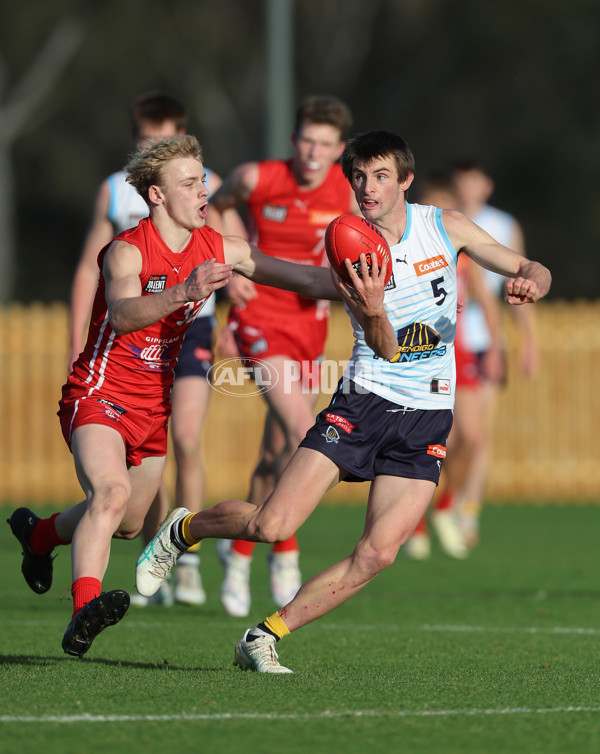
pixel 349 236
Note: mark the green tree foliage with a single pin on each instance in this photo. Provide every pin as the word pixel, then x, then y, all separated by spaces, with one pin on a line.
pixel 512 84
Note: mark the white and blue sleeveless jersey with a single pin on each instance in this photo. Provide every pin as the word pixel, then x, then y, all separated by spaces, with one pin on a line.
pixel 500 225
pixel 126 208
pixel 420 302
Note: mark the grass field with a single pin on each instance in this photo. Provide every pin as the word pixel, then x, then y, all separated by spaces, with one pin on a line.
pixel 499 653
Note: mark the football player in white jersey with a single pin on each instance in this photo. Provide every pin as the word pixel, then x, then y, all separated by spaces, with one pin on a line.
pixel 388 421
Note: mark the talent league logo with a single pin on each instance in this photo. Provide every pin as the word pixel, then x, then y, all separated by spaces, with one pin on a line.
pixel 156 284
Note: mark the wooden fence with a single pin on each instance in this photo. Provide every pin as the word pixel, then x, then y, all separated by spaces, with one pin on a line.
pixel 545 440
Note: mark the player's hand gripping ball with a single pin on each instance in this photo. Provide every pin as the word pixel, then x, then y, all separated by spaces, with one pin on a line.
pixel 349 236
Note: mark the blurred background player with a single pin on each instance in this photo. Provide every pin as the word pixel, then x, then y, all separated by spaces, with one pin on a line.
pixel 118 207
pixel 289 204
pixel 466 433
pixel 473 188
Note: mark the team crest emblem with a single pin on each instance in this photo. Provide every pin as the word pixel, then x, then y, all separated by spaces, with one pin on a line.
pixel 331 435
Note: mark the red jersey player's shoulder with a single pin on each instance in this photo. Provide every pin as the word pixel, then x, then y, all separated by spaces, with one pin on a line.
pixel 273 178
pixel 211 241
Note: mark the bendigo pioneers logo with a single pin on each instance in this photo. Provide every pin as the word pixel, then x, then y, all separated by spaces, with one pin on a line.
pixel 417 342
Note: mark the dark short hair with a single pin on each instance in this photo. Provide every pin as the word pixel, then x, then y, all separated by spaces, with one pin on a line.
pixel 373 144
pixel 324 109
pixel 156 108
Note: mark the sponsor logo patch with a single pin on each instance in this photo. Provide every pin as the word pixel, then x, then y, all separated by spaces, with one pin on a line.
pixel 433 264
pixel 439 451
pixel 114 406
pixel 340 422
pixel 277 214
pixel 156 284
pixel 440 386
pixel 318 217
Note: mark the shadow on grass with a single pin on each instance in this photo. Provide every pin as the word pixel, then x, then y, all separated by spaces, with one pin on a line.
pixel 33 660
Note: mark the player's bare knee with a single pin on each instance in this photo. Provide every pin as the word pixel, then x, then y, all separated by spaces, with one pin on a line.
pixel 113 497
pixel 266 466
pixel 129 534
pixel 373 560
pixel 186 447
pixel 268 530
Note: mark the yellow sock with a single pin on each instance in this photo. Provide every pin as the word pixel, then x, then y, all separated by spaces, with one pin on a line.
pixel 185 531
pixel 276 624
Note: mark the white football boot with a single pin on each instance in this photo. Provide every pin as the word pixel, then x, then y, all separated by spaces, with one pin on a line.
pixel 188 582
pixel 449 535
pixel 284 576
pixel 235 589
pixel 258 655
pixel 159 556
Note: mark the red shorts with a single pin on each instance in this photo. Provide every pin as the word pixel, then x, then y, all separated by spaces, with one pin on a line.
pixel 300 339
pixel 144 431
pixel 468 373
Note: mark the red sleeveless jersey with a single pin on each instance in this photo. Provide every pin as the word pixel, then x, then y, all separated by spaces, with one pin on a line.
pixel 288 223
pixel 137 368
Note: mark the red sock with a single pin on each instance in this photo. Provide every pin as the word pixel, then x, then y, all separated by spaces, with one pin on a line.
pixel 83 590
pixel 290 545
pixel 421 527
pixel 44 538
pixel 444 502
pixel 243 548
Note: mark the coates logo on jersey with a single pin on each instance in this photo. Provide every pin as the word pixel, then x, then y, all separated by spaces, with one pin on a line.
pixel 242 377
pixel 433 264
pixel 156 284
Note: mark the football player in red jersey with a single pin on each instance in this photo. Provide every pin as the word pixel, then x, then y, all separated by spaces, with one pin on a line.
pixel 116 402
pixel 289 205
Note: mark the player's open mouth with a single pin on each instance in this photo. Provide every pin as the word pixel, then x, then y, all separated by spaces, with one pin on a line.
pixel 203 210
pixel 368 204
pixel 313 165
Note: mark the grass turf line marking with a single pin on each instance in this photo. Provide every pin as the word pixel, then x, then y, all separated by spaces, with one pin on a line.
pixel 557 630
pixel 467 629
pixel 86 718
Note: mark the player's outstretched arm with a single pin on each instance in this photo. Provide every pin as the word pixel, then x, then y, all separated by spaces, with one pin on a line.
pixel 249 261
pixel 530 280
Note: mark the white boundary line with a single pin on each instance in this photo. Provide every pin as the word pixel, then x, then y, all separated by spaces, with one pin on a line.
pixel 326 715
pixel 325 626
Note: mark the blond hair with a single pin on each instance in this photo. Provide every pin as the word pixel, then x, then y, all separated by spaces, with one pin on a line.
pixel 146 165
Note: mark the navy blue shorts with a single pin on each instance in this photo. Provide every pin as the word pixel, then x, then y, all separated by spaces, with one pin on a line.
pixel 196 355
pixel 368 436
pixel 480 356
